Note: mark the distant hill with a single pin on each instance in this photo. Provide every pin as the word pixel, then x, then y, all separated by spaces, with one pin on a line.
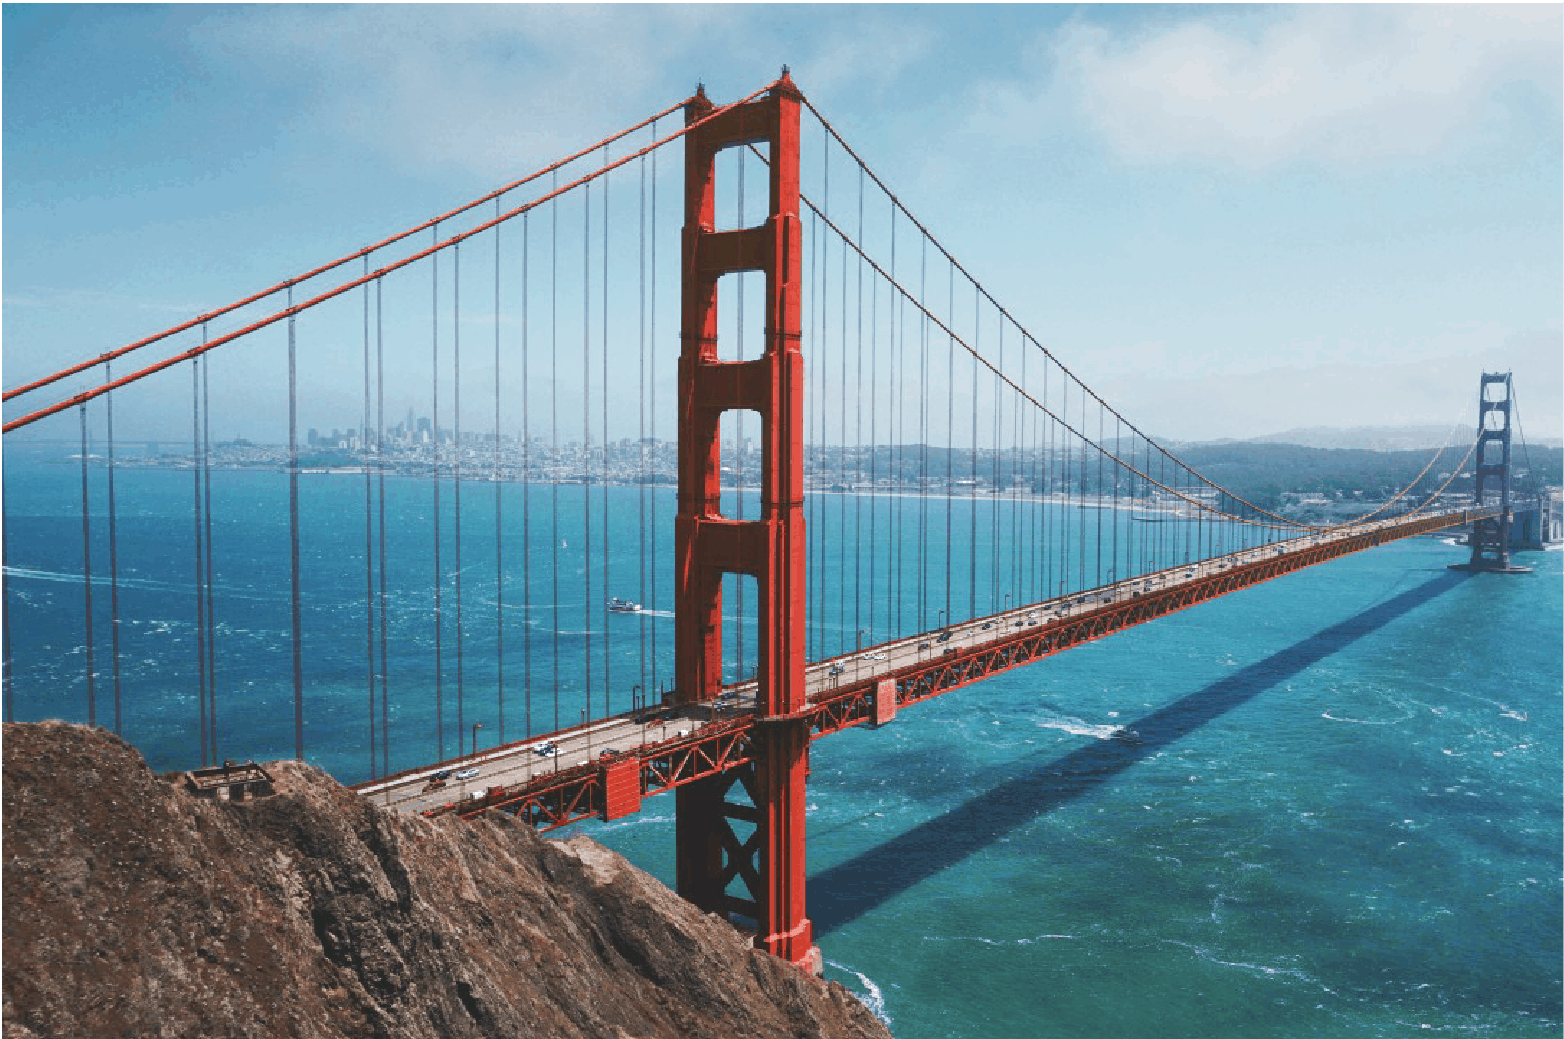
pixel 1379 438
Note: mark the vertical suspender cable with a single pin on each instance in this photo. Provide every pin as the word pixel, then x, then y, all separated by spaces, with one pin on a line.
pixel 817 401
pixel 200 559
pixel 603 501
pixel 369 545
pixel 586 437
pixel 1100 420
pixel 923 440
pixel 206 490
pixel 842 461
pixel 293 533
pixel 86 574
pixel 526 468
pixel 874 454
pixel 972 475
pixel 1081 511
pixel 640 369
pixel 897 404
pixel 651 363
pixel 456 482
pixel 499 515
pixel 554 436
pixel 108 400
pixel 950 437
pixel 434 473
pixel 1116 571
pixel 858 456
pixel 380 479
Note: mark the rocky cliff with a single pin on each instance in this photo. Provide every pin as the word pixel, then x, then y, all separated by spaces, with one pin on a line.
pixel 134 908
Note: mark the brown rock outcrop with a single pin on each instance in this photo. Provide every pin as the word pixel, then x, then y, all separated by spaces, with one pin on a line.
pixel 132 908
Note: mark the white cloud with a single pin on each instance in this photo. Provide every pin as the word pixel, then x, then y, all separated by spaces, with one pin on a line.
pixel 1343 84
pixel 501 89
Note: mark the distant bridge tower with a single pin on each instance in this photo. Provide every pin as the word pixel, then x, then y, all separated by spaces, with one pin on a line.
pixel 1490 538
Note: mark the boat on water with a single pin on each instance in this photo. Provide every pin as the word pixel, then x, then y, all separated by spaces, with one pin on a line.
pixel 617 605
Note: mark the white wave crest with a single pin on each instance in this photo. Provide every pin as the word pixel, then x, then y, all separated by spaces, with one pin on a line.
pixel 871 997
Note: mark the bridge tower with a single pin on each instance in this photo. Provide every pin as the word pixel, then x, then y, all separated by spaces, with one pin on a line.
pixel 710 855
pixel 1490 537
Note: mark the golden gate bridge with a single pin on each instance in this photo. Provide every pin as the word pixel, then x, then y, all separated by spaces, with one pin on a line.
pixel 934 498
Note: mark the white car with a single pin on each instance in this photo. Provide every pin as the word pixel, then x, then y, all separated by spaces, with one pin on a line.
pixel 467 773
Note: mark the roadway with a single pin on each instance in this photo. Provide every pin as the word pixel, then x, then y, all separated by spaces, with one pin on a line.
pixel 520 763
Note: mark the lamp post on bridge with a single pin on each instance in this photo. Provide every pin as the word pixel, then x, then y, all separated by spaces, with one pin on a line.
pixel 635 698
pixel 475 727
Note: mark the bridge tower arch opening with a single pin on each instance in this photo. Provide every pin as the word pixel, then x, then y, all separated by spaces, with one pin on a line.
pixel 711 854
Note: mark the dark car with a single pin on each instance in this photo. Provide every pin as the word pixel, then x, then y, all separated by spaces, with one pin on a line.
pixel 442 775
pixel 923 645
pixel 944 636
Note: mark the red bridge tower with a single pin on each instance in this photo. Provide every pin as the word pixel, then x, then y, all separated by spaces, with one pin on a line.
pixel 772 549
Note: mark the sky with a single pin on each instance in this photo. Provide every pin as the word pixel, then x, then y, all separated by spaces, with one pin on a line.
pixel 1229 221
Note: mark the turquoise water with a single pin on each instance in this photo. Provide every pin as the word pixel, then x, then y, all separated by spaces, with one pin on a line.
pixel 1343 820
pixel 1343 817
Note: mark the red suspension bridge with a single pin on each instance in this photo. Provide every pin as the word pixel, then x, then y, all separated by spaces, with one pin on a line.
pixel 930 498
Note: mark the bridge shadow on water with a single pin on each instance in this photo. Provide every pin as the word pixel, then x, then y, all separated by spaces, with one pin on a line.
pixel 842 893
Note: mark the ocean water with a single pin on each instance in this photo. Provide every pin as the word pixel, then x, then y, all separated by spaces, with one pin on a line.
pixel 1342 818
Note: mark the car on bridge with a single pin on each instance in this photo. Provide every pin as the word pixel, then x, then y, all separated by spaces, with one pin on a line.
pixel 545 750
pixel 837 669
pixel 467 773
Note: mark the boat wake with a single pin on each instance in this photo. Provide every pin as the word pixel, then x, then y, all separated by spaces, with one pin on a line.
pixel 1080 727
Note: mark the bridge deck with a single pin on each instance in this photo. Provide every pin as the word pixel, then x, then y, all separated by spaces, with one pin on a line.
pixel 669 746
